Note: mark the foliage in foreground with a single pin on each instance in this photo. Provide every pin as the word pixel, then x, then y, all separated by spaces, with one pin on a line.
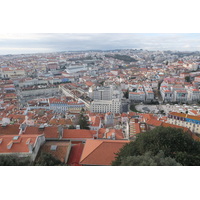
pixel 46 159
pixel 149 160
pixel 11 160
pixel 174 143
pixel 43 160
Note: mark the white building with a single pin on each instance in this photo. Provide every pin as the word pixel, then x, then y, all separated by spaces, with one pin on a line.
pixel 193 95
pixel 109 119
pixel 167 94
pixel 149 95
pixel 104 106
pixel 75 68
pixel 102 93
pixel 137 96
pixel 180 96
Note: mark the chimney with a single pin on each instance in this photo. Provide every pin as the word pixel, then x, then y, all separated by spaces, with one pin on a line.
pixel 113 136
pixel 60 132
pixel 28 141
pixel 30 147
pixel 105 134
pixel 9 145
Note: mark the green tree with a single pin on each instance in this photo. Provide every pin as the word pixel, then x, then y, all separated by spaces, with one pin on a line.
pixel 83 122
pixel 12 160
pixel 175 143
pixel 126 94
pixel 82 110
pixel 149 160
pixel 102 83
pixel 72 127
pixel 46 159
pixel 187 78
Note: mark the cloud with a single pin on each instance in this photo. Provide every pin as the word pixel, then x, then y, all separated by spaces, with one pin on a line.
pixel 47 42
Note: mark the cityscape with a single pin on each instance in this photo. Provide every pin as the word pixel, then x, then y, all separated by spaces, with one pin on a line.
pixel 101 106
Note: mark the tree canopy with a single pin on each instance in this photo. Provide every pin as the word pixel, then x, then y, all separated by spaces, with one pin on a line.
pixel 43 159
pixel 126 94
pixel 187 78
pixel 83 121
pixel 148 159
pixel 125 58
pixel 72 127
pixel 46 159
pixel 12 160
pixel 174 143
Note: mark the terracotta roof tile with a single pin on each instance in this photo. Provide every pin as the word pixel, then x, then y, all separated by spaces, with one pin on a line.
pixel 95 121
pixel 78 133
pixel 185 115
pixel 17 146
pixel 154 122
pixel 118 133
pixel 10 129
pixel 61 152
pixel 100 152
pixel 75 155
pixel 49 132
pixel 175 126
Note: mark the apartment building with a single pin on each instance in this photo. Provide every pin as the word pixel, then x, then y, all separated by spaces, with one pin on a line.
pixel 102 93
pixel 12 73
pixel 193 95
pixel 180 96
pixel 109 119
pixel 189 121
pixel 137 96
pixel 57 105
pixel 23 146
pixel 149 95
pixel 106 99
pixel 167 94
pixel 104 106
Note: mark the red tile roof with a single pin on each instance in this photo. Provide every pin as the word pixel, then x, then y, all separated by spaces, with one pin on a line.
pixel 154 122
pixel 75 155
pixel 49 132
pixel 10 129
pixel 100 152
pixel 175 126
pixel 89 83
pixel 62 150
pixel 185 115
pixel 60 122
pixel 78 133
pixel 118 133
pixel 148 116
pixel 95 121
pixel 17 146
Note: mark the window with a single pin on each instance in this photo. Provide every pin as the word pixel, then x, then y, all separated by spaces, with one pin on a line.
pixel 53 147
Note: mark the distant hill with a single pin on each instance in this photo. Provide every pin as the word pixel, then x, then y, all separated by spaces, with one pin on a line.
pixel 125 58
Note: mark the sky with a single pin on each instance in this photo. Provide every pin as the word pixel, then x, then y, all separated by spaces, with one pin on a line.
pixel 21 43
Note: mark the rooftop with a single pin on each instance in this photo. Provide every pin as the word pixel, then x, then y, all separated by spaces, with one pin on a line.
pixel 100 152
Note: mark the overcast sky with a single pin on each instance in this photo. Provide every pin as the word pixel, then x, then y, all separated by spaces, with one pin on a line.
pixel 47 42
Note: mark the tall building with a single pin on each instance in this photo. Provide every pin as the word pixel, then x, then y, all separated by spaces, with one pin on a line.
pixel 185 120
pixel 102 93
pixel 106 99
pixel 104 106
